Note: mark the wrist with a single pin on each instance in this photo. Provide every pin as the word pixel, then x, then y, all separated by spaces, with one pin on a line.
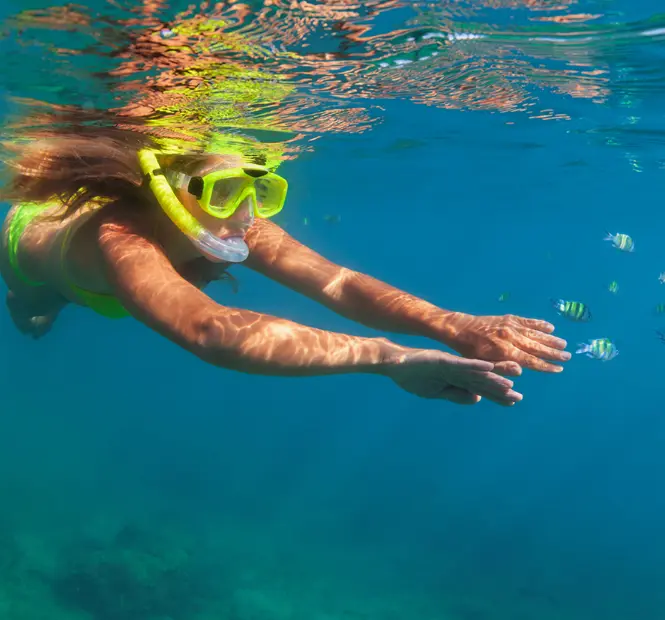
pixel 390 355
pixel 448 328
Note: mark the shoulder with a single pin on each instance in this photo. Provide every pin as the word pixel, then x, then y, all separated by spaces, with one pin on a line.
pixel 124 217
pixel 128 236
pixel 127 224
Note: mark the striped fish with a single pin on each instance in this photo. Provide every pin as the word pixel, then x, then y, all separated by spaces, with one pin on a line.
pixel 621 242
pixel 600 349
pixel 573 310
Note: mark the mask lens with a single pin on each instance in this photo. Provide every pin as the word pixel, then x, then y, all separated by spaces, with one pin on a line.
pixel 225 193
pixel 269 196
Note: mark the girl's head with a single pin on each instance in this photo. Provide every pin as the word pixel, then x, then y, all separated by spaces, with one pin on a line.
pixel 75 164
pixel 214 199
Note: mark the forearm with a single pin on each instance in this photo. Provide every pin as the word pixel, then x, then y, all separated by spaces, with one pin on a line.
pixel 381 306
pixel 261 344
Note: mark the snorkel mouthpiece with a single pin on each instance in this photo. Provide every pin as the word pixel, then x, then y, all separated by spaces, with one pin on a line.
pixel 231 250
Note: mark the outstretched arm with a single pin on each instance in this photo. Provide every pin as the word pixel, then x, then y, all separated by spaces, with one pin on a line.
pixel 378 305
pixel 147 284
pixel 151 289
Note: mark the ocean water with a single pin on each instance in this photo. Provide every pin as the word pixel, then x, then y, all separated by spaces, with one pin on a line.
pixel 138 483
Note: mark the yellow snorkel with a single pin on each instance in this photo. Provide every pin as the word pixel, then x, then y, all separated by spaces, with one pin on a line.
pixel 232 249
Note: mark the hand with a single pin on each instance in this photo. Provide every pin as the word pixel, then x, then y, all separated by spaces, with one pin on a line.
pixel 510 341
pixel 27 323
pixel 436 374
pixel 35 326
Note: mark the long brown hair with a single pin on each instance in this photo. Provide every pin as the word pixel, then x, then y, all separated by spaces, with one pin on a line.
pixel 72 162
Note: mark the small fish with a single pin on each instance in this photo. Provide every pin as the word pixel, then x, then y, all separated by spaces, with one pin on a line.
pixel 600 348
pixel 573 310
pixel 659 309
pixel 504 297
pixel 613 287
pixel 621 242
pixel 661 278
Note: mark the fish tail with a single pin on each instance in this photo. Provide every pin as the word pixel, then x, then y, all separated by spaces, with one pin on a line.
pixel 583 347
pixel 556 303
pixel 608 236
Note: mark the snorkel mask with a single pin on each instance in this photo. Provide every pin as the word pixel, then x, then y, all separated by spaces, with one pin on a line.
pixel 219 194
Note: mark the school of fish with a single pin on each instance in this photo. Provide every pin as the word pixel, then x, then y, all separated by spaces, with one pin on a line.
pixel 601 348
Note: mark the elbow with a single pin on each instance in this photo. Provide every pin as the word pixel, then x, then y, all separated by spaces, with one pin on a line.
pixel 233 341
pixel 213 342
pixel 247 342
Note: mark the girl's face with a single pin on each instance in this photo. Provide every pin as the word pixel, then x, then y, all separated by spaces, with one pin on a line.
pixel 237 224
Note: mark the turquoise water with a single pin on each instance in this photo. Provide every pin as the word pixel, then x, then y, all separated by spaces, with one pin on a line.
pixel 137 483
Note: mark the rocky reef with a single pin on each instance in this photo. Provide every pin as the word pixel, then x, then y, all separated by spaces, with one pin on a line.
pixel 138 575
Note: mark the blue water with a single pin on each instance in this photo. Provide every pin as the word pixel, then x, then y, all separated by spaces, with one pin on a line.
pixel 342 497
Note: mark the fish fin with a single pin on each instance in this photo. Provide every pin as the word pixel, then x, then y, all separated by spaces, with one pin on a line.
pixel 582 347
pixel 608 236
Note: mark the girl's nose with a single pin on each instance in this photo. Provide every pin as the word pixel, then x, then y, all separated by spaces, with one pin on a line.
pixel 244 215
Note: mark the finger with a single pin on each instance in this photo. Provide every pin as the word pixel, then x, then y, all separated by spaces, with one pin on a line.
pixel 507 369
pixel 540 350
pixel 462 363
pixel 505 399
pixel 541 326
pixel 549 341
pixel 491 386
pixel 490 382
pixel 532 362
pixel 459 396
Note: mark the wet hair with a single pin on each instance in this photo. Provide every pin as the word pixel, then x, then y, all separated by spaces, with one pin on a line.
pixel 75 163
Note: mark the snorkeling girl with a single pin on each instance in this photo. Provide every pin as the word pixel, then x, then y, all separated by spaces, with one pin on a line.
pixel 107 219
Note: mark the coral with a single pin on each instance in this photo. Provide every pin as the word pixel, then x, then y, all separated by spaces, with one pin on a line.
pixel 138 576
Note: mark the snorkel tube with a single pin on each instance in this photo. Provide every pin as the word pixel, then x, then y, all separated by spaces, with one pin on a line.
pixel 231 250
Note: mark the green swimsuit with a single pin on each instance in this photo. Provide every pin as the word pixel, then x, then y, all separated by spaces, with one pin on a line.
pixel 106 305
